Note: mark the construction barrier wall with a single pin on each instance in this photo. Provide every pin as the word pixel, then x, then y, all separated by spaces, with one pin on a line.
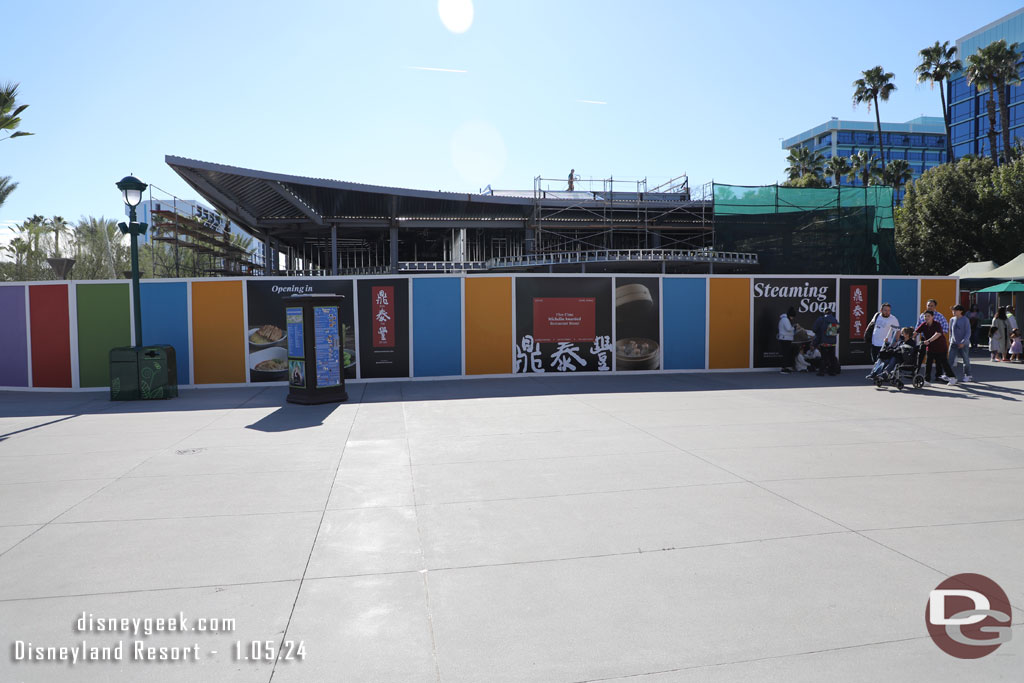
pixel 57 335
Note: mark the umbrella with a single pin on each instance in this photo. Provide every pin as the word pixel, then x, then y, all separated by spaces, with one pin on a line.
pixel 1011 286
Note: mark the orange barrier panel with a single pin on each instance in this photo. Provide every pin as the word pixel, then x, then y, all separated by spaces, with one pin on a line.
pixel 218 332
pixel 943 291
pixel 488 325
pixel 729 323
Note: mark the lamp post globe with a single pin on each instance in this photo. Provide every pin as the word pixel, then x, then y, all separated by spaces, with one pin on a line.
pixel 131 192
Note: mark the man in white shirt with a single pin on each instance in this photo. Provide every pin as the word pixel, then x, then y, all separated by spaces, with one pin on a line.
pixel 883 324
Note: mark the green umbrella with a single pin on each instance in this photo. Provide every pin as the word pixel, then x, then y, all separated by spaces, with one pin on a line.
pixel 1011 286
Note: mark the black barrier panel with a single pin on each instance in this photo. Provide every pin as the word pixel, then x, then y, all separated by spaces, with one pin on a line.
pixel 858 302
pixel 773 297
pixel 266 329
pixel 563 324
pixel 384 327
pixel 637 323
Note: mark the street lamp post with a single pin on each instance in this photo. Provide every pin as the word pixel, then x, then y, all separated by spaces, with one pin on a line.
pixel 131 191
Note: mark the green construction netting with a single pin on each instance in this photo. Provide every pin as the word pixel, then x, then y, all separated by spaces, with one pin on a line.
pixel 844 230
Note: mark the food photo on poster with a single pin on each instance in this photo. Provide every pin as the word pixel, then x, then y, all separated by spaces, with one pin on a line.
pixel 858 303
pixel 637 323
pixel 383 328
pixel 270 336
pixel 773 298
pixel 563 325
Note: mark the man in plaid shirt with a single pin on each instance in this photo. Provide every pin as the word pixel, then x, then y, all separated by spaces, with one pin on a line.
pixel 939 318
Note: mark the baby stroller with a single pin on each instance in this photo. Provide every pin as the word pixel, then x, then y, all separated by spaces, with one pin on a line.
pixel 908 365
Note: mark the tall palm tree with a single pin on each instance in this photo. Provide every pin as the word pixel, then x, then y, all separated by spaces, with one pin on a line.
pixel 938 63
pixel 837 168
pixel 6 188
pixel 1005 59
pixel 875 85
pixel 983 73
pixel 10 111
pixel 897 173
pixel 803 161
pixel 863 165
pixel 59 227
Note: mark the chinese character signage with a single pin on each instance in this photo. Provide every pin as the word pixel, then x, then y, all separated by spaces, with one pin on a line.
pixel 383 302
pixel 773 297
pixel 859 303
pixel 563 325
pixel 383 327
pixel 273 337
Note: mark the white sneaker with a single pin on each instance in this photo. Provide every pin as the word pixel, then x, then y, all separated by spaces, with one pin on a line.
pixel 967 378
pixel 943 378
pixel 951 381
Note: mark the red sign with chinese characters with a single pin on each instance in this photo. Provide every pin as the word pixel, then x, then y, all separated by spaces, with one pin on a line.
pixel 858 311
pixel 382 300
pixel 564 319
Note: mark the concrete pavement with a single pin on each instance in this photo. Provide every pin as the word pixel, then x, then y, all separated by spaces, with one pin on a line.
pixel 694 527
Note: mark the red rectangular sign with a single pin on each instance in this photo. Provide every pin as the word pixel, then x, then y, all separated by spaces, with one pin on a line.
pixel 382 300
pixel 858 311
pixel 564 319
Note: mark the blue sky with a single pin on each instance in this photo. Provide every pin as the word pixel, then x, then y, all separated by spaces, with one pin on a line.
pixel 325 89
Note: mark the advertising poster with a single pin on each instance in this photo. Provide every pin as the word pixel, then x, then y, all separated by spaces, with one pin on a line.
pixel 637 323
pixel 327 344
pixel 384 328
pixel 270 336
pixel 563 324
pixel 810 297
pixel 858 302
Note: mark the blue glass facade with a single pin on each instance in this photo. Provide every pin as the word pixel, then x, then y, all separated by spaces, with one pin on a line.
pixel 921 142
pixel 968 108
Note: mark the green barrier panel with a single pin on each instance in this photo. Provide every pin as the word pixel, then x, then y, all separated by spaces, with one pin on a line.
pixel 104 322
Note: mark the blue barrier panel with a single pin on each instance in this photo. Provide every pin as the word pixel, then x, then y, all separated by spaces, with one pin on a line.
pixel 437 326
pixel 902 294
pixel 165 321
pixel 13 337
pixel 684 322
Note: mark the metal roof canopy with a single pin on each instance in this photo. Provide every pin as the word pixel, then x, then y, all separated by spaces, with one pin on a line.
pixel 282 206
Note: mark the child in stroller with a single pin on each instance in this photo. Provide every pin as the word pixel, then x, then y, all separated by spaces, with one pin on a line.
pixel 899 362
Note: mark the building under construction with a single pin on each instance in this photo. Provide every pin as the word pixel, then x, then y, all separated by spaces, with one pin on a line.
pixel 312 226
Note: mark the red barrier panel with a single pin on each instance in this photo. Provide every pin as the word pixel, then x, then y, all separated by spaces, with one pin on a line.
pixel 51 335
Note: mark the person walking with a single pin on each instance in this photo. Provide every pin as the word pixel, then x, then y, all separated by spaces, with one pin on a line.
pixel 826 334
pixel 785 337
pixel 999 335
pixel 931 305
pixel 882 325
pixel 960 343
pixel 934 342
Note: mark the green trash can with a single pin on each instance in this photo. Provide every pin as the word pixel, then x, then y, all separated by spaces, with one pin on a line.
pixel 143 373
pixel 124 374
pixel 158 372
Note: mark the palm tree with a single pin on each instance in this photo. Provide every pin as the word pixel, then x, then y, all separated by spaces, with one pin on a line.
pixel 875 85
pixel 863 165
pixel 1005 58
pixel 897 173
pixel 59 226
pixel 837 168
pixel 6 188
pixel 19 249
pixel 10 111
pixel 938 63
pixel 983 73
pixel 803 161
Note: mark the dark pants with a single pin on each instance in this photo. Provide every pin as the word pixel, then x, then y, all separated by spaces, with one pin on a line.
pixel 941 364
pixel 874 352
pixel 829 362
pixel 786 351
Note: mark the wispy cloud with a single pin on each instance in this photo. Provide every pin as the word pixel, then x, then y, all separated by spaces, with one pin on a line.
pixel 591 101
pixel 436 68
